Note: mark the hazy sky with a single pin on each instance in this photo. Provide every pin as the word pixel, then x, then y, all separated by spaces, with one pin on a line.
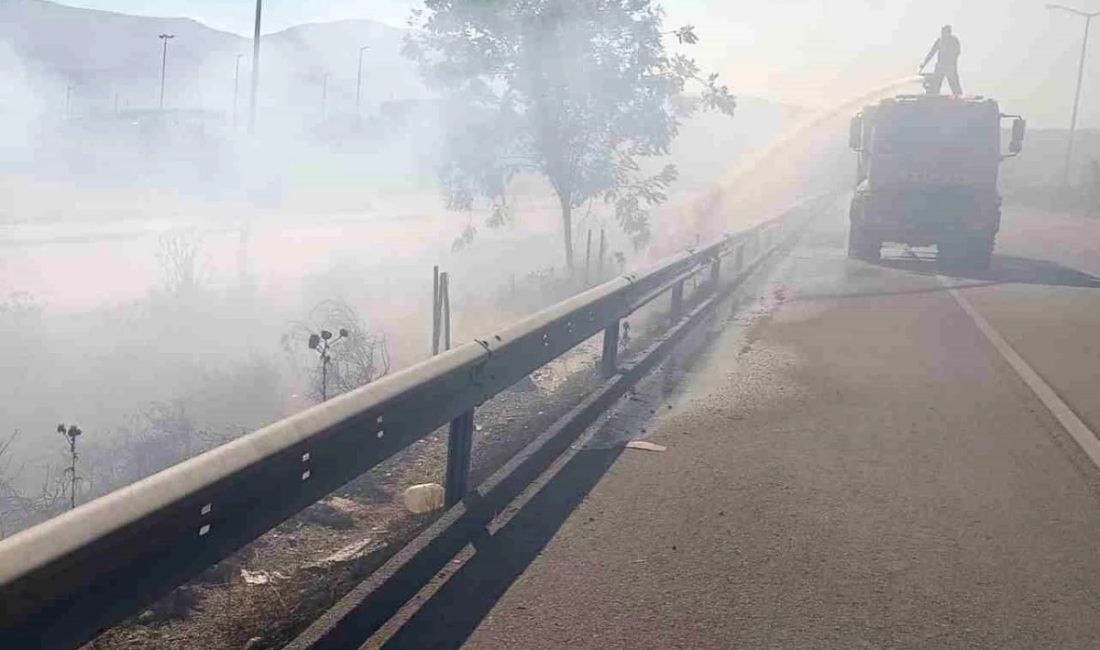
pixel 800 51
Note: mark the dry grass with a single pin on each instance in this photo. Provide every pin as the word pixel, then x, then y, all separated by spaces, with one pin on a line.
pixel 230 612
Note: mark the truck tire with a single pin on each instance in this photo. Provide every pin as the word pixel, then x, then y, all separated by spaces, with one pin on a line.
pixel 951 255
pixel 862 246
pixel 980 252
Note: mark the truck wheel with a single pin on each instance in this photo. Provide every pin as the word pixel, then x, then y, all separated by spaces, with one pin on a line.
pixel 862 246
pixel 951 255
pixel 980 252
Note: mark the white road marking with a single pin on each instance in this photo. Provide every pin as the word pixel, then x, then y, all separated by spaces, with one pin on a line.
pixel 1057 407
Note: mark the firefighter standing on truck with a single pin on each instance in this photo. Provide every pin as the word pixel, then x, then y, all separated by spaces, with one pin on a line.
pixel 946 49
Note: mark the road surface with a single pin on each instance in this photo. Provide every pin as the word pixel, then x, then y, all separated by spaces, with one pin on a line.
pixel 858 466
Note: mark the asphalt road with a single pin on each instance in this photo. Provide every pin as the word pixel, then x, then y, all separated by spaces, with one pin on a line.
pixel 854 467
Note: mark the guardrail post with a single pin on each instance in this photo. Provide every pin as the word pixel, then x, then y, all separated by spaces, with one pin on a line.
pixel 610 364
pixel 460 444
pixel 677 300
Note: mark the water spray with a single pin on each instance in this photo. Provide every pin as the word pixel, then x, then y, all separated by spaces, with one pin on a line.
pixel 711 212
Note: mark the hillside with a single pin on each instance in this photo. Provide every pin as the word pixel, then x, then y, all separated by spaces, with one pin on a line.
pixel 309 146
pixel 103 56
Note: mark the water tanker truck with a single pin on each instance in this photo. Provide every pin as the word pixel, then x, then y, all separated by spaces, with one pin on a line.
pixel 928 167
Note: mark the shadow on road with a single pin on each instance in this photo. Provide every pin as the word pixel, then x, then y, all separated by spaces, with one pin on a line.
pixel 452 614
pixel 448 617
pixel 1004 269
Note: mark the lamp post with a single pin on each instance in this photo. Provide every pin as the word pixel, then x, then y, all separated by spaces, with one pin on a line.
pixel 164 65
pixel 1080 78
pixel 255 66
pixel 359 83
pixel 236 88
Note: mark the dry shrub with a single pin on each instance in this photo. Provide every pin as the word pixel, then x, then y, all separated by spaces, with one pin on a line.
pixel 357 360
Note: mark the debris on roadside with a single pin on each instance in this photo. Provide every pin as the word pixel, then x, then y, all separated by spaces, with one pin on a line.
pixel 645 446
pixel 219 574
pixel 351 553
pixel 177 606
pixel 346 506
pixel 421 499
pixel 254 578
pixel 324 513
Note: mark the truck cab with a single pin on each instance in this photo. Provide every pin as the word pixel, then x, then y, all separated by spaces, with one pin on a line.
pixel 927 175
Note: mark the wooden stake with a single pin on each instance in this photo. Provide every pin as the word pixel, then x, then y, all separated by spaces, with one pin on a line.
pixel 603 251
pixel 588 259
pixel 445 289
pixel 435 310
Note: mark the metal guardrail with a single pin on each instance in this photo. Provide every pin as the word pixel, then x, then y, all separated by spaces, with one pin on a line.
pixel 64 581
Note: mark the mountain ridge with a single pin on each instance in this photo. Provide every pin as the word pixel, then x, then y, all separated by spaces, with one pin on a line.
pixel 105 56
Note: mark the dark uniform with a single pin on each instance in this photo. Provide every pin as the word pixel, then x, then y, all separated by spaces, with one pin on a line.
pixel 948 48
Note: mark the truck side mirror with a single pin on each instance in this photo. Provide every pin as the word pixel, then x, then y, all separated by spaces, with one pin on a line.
pixel 855 133
pixel 1019 130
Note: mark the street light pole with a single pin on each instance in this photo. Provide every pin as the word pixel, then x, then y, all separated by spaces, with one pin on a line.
pixel 1080 79
pixel 163 65
pixel 324 98
pixel 359 84
pixel 236 88
pixel 255 66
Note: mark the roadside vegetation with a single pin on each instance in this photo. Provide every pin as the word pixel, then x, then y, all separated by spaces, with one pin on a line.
pixel 579 94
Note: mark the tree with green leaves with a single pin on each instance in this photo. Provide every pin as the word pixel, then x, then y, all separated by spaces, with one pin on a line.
pixel 575 91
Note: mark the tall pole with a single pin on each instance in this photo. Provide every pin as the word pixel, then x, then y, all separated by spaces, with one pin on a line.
pixel 1077 94
pixel 324 97
pixel 359 84
pixel 255 66
pixel 68 101
pixel 1077 101
pixel 164 65
pixel 436 303
pixel 236 88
